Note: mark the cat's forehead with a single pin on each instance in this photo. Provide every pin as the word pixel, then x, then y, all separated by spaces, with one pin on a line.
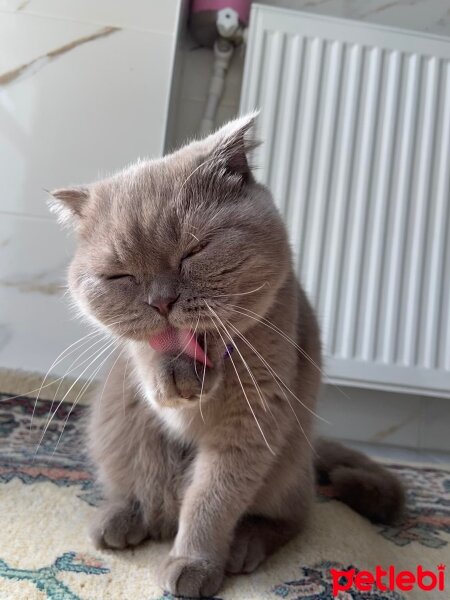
pixel 153 183
pixel 189 191
pixel 153 207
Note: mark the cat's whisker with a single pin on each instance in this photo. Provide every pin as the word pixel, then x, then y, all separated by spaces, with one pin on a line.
pixel 110 371
pixel 203 381
pixel 59 358
pixel 240 383
pixel 266 365
pixel 195 350
pixel 78 343
pixel 67 393
pixel 196 372
pixel 53 382
pixel 90 360
pixel 76 365
pixel 123 384
pixel 276 329
pixel 258 389
pixel 79 396
pixel 272 325
pixel 73 366
pixel 242 293
pixel 267 404
pixel 289 390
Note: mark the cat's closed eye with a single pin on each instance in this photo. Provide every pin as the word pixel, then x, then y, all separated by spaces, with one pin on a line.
pixel 195 250
pixel 119 276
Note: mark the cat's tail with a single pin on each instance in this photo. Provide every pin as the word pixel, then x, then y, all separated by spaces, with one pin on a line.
pixel 367 487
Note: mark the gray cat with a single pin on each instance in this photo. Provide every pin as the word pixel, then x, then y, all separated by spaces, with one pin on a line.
pixel 205 428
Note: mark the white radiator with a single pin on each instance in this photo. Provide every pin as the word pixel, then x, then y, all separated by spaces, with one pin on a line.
pixel 355 120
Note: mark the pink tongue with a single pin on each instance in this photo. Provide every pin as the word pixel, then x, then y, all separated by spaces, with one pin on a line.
pixel 179 341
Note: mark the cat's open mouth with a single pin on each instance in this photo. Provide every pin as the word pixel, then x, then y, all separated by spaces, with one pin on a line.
pixel 180 341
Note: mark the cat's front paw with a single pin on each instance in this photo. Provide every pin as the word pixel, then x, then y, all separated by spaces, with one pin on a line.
pixel 195 578
pixel 118 527
pixel 247 552
pixel 185 378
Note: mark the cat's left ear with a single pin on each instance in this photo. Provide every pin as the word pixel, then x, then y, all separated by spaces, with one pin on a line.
pixel 68 203
pixel 233 144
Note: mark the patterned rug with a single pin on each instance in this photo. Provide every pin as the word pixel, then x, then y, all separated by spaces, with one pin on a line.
pixel 48 498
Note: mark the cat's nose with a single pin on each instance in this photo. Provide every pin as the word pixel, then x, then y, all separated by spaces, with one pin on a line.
pixel 163 304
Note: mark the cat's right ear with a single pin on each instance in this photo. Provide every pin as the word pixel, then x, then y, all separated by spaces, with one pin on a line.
pixel 68 204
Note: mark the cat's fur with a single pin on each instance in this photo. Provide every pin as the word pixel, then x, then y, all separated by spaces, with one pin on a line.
pixel 230 475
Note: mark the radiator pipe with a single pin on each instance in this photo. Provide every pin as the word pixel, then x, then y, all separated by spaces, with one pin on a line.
pixel 220 24
pixel 223 53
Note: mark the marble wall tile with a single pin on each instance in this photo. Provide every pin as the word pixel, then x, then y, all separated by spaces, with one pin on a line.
pixel 12 5
pixel 146 15
pixel 28 38
pixel 399 454
pixel 371 416
pixel 432 16
pixel 384 418
pixel 72 116
pixel 332 8
pixel 36 321
pixel 435 424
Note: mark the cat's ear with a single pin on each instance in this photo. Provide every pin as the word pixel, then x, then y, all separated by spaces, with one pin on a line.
pixel 233 143
pixel 68 203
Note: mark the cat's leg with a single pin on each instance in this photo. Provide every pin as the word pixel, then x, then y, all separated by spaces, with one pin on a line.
pixel 147 508
pixel 119 525
pixel 281 507
pixel 277 514
pixel 255 539
pixel 138 467
pixel 228 472
pixel 141 500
